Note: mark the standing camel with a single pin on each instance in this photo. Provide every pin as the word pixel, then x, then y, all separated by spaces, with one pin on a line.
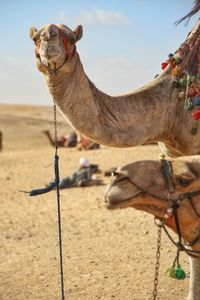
pixel 144 185
pixel 150 114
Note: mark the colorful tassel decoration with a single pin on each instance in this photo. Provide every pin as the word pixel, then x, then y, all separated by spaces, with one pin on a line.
pixel 180 274
pixel 164 65
pixel 175 273
pixel 197 101
pixel 196 115
pixel 189 104
pixel 170 272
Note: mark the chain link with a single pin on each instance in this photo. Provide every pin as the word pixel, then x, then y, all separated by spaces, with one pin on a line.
pixel 55 125
pixel 157 265
pixel 55 116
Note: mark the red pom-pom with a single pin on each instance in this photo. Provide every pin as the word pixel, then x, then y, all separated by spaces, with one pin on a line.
pixel 196 115
pixel 169 221
pixel 164 65
pixel 192 92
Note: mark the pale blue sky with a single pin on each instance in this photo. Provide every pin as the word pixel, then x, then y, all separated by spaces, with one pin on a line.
pixel 123 45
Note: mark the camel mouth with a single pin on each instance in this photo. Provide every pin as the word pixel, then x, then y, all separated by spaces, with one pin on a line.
pixel 120 204
pixel 49 54
pixel 120 194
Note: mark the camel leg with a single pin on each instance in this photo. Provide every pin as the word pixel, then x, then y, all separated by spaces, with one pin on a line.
pixel 194 291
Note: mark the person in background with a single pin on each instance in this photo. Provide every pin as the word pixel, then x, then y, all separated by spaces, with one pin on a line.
pixel 84 176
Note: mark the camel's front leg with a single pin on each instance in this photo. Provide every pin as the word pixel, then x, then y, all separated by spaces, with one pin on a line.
pixel 194 292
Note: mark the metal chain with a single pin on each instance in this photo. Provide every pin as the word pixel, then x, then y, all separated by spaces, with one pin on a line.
pixel 55 126
pixel 157 265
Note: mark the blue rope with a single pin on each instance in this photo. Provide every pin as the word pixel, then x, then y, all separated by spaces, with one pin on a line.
pixel 57 181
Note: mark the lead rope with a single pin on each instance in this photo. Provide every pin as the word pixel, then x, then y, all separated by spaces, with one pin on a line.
pixel 157 265
pixel 57 181
pixel 53 185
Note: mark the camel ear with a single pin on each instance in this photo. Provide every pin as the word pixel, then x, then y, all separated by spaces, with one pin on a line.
pixel 32 32
pixel 78 32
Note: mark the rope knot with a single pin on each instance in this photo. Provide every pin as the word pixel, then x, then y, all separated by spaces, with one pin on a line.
pixel 175 205
pixel 180 246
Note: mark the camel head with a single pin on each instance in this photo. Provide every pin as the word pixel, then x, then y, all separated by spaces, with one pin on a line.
pixel 143 186
pixel 55 46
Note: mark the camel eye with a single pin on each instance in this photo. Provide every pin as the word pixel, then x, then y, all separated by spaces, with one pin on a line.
pixel 184 182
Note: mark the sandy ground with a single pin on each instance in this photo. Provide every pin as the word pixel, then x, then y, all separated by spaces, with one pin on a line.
pixel 106 254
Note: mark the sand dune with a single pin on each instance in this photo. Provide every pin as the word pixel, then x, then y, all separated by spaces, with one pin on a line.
pixel 107 254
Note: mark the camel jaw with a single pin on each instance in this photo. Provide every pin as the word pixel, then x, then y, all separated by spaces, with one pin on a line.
pixel 120 204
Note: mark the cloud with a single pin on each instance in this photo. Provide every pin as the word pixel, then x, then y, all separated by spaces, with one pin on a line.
pixel 105 17
pixel 119 60
pixel 61 16
pixel 93 16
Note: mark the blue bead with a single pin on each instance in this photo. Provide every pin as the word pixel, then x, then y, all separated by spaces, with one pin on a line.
pixel 197 101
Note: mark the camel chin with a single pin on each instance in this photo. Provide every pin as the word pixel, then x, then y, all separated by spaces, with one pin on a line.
pixel 120 204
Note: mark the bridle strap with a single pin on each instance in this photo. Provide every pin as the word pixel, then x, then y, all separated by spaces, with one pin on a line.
pixel 167 172
pixel 191 201
pixel 168 176
pixel 65 44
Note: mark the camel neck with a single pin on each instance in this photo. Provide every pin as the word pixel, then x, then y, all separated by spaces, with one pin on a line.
pixel 120 121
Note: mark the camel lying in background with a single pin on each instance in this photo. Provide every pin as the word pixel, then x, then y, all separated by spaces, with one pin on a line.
pixel 66 140
pixel 147 115
pixel 141 185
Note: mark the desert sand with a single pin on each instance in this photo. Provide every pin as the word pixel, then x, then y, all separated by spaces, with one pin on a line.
pixel 106 254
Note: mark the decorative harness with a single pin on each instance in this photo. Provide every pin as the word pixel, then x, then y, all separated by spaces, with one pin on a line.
pixel 166 169
pixel 68 53
pixel 175 205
